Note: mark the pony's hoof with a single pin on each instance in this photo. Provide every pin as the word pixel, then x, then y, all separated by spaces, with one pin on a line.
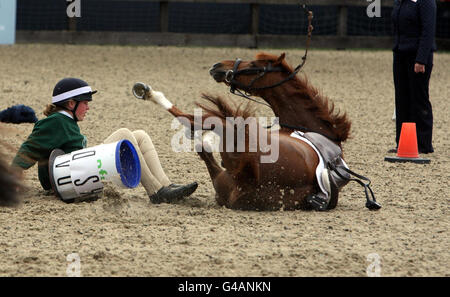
pixel 140 90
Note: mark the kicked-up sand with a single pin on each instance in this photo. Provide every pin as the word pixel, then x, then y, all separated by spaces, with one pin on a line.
pixel 123 234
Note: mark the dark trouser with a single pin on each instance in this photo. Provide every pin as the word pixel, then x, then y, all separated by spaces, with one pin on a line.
pixel 412 103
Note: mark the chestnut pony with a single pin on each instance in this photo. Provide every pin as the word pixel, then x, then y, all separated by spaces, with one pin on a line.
pixel 244 182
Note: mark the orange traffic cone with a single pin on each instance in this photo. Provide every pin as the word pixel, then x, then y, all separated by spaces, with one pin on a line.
pixel 407 147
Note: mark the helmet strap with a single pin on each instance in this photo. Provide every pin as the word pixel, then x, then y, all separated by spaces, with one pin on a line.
pixel 74 110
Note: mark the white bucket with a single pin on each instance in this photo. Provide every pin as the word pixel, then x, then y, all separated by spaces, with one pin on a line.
pixel 82 173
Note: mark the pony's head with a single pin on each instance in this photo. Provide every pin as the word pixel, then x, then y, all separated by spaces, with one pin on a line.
pixel 297 103
pixel 267 71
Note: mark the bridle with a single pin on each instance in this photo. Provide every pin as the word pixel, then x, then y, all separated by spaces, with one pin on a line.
pixel 236 86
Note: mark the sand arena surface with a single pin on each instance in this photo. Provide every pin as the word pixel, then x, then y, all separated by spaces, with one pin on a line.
pixel 122 234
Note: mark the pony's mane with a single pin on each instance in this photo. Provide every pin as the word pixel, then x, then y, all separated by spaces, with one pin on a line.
pixel 223 110
pixel 316 102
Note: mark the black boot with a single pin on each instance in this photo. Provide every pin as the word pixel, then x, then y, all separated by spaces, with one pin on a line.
pixel 173 193
pixel 318 201
pixel 334 191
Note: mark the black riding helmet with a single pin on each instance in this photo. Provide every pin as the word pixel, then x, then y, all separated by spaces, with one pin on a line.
pixel 71 89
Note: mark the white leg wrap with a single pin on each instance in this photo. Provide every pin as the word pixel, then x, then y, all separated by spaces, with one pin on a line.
pixel 159 98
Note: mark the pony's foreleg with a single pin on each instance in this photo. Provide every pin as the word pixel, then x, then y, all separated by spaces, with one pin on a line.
pixel 217 175
pixel 223 182
pixel 160 98
pixel 205 150
pixel 213 167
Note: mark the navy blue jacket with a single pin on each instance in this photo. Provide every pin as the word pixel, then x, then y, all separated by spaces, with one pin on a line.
pixel 414 27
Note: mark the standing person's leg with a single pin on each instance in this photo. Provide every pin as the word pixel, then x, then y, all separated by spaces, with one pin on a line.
pixel 421 108
pixel 402 95
pixel 151 156
pixel 148 180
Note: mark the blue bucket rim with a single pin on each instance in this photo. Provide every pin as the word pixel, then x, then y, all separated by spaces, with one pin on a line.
pixel 127 182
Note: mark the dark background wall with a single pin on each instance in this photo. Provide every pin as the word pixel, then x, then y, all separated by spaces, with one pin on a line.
pixel 209 18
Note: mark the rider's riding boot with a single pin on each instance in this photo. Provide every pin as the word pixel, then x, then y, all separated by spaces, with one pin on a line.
pixel 173 193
